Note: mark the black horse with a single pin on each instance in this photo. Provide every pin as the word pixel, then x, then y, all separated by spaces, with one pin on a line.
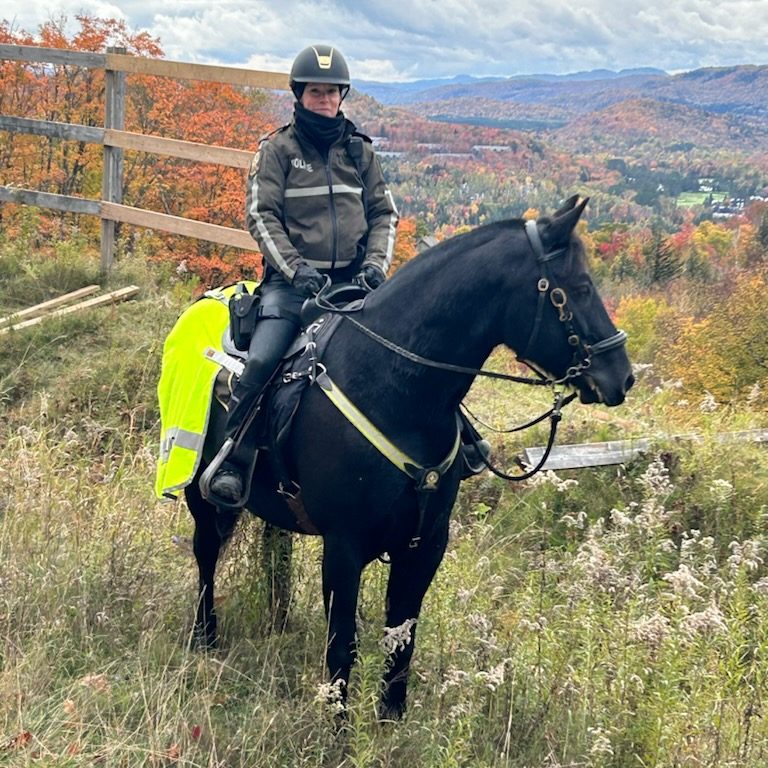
pixel 503 283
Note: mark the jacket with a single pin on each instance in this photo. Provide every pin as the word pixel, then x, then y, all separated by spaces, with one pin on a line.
pixel 302 207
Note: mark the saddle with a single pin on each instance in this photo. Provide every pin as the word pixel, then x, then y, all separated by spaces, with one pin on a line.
pixel 273 414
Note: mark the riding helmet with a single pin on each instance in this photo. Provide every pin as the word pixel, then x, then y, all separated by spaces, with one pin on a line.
pixel 319 64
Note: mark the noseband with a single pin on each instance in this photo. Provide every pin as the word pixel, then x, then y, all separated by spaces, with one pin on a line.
pixel 583 352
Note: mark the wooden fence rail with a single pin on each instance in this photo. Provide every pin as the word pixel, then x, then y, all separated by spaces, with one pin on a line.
pixel 114 139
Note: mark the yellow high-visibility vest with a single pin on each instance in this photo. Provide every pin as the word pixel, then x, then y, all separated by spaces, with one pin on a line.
pixel 185 389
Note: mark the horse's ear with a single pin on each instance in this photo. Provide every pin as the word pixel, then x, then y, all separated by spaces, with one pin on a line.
pixel 564 221
pixel 568 205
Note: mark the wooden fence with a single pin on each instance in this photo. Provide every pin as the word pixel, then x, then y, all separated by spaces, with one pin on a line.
pixel 115 139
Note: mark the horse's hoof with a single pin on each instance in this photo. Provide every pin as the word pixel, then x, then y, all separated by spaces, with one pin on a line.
pixel 203 640
pixel 391 713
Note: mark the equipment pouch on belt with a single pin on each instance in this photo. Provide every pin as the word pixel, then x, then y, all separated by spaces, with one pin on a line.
pixel 243 315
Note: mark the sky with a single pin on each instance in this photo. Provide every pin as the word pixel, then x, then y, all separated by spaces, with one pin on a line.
pixel 401 40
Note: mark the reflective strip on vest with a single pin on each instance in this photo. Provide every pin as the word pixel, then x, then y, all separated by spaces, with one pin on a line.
pixel 180 438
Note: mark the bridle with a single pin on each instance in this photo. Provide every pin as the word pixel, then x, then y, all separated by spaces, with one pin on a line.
pixel 582 359
pixel 583 352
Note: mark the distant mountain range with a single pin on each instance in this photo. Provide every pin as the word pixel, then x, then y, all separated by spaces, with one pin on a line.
pixel 428 90
pixel 738 90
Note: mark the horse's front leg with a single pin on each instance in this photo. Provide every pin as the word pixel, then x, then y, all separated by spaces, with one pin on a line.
pixel 212 530
pixel 411 573
pixel 342 568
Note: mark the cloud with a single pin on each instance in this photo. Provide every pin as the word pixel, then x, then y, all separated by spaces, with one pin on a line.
pixel 438 38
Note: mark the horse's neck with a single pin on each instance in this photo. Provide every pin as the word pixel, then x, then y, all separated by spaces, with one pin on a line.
pixel 448 329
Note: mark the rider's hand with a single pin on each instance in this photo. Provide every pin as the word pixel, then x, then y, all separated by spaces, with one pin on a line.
pixel 307 280
pixel 369 277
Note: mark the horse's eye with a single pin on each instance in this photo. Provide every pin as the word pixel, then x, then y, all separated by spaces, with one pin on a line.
pixel 582 291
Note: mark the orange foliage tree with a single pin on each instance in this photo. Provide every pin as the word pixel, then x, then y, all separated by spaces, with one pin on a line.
pixel 726 352
pixel 207 113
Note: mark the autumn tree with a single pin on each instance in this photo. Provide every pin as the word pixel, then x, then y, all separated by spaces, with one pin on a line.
pixel 725 352
pixel 208 113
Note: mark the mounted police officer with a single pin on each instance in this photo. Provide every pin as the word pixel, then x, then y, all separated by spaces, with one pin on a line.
pixel 318 207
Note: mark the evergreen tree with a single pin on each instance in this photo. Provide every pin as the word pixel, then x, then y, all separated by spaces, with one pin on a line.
pixel 661 261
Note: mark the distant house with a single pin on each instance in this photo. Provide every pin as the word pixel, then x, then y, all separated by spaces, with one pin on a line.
pixel 427 241
pixel 491 148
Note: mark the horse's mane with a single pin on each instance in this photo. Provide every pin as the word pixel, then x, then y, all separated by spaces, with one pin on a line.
pixel 447 251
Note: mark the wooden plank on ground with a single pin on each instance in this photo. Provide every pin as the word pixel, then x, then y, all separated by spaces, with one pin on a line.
pixel 112 297
pixel 585 455
pixel 47 306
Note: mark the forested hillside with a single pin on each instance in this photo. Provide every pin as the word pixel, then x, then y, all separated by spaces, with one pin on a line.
pixel 677 193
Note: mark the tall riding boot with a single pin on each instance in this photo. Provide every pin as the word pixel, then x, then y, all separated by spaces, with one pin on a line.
pixel 270 340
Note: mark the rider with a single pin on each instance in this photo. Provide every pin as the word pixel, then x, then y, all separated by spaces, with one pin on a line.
pixel 318 207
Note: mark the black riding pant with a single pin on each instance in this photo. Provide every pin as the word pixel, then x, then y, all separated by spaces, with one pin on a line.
pixel 276 328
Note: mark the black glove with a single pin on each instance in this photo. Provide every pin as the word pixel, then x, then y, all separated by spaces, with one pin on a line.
pixel 308 280
pixel 369 277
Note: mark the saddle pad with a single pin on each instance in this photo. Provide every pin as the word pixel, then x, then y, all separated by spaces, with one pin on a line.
pixel 185 389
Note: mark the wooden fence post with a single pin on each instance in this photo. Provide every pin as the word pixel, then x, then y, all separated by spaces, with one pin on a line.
pixel 112 177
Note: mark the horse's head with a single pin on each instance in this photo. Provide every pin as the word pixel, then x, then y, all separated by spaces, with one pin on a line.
pixel 571 335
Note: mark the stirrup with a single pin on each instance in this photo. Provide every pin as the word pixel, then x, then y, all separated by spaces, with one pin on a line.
pixel 210 472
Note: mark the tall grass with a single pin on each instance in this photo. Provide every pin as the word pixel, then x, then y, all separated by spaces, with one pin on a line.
pixel 608 618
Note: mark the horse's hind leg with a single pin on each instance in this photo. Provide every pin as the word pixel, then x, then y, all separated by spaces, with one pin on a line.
pixel 277 554
pixel 212 530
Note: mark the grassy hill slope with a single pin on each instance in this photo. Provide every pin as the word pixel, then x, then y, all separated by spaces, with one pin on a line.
pixel 609 617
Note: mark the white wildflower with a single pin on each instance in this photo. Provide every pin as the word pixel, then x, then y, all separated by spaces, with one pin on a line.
pixel 533 626
pixel 396 638
pixel 457 711
pixel 331 695
pixel 454 678
pixel 493 678
pixel 745 555
pixel 598 567
pixel 710 621
pixel 699 551
pixel 761 586
pixel 683 582
pixel 708 403
pixel 480 623
pixel 548 477
pixel 575 522
pixel 601 742
pixel 721 490
pixel 655 479
pixel 465 595
pixel 650 630
pixel 619 519
pixel 182 268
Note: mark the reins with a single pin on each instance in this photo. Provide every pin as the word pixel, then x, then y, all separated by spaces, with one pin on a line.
pixel 583 352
